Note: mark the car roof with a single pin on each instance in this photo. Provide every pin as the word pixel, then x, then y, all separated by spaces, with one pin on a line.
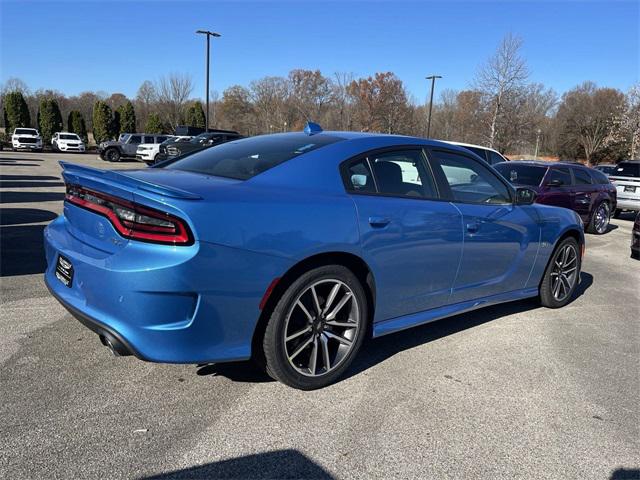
pixel 543 163
pixel 471 145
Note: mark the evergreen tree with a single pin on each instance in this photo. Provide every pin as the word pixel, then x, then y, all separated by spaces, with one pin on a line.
pixel 102 122
pixel 127 118
pixel 76 124
pixel 49 119
pixel 154 124
pixel 16 112
pixel 195 115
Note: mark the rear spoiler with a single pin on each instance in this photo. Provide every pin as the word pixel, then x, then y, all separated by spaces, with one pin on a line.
pixel 121 178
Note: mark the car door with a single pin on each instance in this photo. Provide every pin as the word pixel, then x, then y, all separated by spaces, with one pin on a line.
pixel 557 188
pixel 410 237
pixel 132 145
pixel 585 193
pixel 500 238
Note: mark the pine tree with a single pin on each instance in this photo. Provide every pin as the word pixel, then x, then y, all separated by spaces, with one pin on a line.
pixel 102 122
pixel 195 115
pixel 127 118
pixel 16 112
pixel 76 124
pixel 154 124
pixel 49 119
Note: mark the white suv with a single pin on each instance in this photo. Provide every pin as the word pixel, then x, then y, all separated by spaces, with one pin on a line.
pixel 27 139
pixel 147 152
pixel 67 142
pixel 626 178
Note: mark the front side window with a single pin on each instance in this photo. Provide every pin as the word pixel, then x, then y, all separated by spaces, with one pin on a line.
pixel 582 176
pixel 471 182
pixel 559 177
pixel 248 157
pixel 135 139
pixel 522 174
pixel 402 173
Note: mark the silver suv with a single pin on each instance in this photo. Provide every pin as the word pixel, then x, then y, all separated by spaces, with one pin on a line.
pixel 126 145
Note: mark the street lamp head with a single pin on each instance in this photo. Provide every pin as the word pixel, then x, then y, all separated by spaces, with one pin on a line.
pixel 431 77
pixel 207 32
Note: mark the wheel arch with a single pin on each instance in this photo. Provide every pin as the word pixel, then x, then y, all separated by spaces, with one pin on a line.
pixel 353 262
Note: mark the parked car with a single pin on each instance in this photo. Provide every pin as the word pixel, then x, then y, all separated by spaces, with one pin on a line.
pixel 67 142
pixel 163 154
pixel 635 238
pixel 626 178
pixel 570 185
pixel 148 152
pixel 489 155
pixel 26 139
pixel 293 247
pixel 200 142
pixel 606 168
pixel 127 145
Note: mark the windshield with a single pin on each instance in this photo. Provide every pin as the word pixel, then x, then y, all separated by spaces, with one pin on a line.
pixel 26 131
pixel 245 158
pixel 69 136
pixel 627 169
pixel 201 138
pixel 529 175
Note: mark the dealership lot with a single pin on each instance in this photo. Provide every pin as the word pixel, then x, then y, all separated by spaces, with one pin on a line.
pixel 509 391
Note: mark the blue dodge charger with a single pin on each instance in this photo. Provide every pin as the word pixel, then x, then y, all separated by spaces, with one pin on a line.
pixel 292 248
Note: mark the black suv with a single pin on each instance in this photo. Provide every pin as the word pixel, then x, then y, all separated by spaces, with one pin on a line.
pixel 202 141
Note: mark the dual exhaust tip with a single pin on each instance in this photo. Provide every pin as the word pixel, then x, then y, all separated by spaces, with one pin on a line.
pixel 116 347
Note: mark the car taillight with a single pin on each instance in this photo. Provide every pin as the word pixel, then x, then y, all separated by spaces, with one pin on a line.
pixel 130 219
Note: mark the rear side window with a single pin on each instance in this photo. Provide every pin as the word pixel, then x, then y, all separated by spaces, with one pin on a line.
pixel 149 139
pixel 599 177
pixel 478 151
pixel 402 173
pixel 582 176
pixel 627 169
pixel 359 177
pixel 248 157
pixel 495 158
pixel 560 176
pixel 160 139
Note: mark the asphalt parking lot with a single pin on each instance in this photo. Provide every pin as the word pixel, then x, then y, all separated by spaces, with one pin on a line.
pixel 512 391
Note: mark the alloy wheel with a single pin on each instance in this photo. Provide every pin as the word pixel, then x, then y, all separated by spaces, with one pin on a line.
pixel 564 273
pixel 602 218
pixel 321 327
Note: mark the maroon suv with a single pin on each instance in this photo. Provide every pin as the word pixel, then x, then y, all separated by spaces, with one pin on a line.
pixel 584 190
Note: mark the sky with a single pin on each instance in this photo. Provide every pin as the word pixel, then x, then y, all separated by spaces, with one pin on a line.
pixel 115 46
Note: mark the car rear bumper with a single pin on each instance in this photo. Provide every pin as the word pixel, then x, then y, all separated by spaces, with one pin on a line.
pixel 628 203
pixel 168 304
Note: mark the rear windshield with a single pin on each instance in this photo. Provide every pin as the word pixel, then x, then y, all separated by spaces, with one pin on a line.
pixel 627 169
pixel 25 131
pixel 245 158
pixel 530 175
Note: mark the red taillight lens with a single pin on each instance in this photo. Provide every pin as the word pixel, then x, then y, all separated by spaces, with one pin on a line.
pixel 132 220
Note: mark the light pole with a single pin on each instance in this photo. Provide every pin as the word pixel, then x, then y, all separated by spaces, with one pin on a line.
pixel 433 84
pixel 538 132
pixel 209 35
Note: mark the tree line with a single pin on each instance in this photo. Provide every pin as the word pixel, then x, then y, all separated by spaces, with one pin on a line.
pixel 501 109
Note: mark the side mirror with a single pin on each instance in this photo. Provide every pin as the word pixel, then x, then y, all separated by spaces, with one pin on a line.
pixel 525 196
pixel 556 182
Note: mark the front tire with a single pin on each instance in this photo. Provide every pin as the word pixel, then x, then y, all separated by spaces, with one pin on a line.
pixel 599 223
pixel 112 155
pixel 561 275
pixel 316 329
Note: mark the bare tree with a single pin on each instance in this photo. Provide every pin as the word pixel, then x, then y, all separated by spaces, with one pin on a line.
pixel 503 72
pixel 146 99
pixel 173 93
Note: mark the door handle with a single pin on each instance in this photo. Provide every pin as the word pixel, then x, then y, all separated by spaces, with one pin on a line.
pixel 473 227
pixel 379 222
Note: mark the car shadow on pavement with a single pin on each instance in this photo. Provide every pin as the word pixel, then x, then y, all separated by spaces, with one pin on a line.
pixel 276 464
pixel 22 250
pixel 377 350
pixel 625 474
pixel 30 197
pixel 21 216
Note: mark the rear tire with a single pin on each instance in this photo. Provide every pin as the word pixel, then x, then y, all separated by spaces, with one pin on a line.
pixel 562 275
pixel 599 223
pixel 616 213
pixel 316 329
